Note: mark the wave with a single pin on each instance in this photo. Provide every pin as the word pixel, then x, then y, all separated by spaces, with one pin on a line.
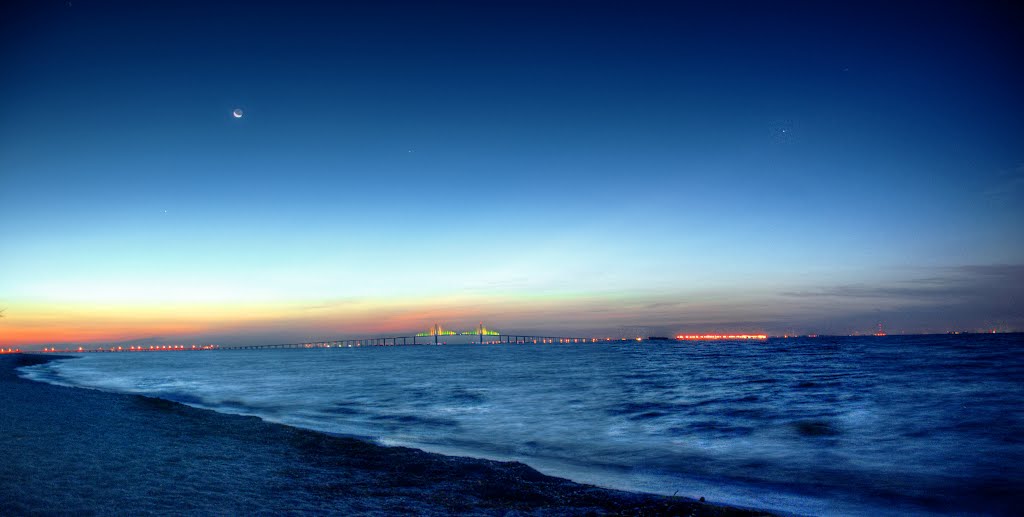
pixel 804 434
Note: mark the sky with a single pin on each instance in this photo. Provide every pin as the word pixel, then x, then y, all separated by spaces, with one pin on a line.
pixel 601 168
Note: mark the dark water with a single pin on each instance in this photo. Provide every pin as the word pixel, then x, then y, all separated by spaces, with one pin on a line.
pixel 895 425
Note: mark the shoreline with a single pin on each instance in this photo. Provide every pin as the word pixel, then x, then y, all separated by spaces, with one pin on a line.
pixel 97 452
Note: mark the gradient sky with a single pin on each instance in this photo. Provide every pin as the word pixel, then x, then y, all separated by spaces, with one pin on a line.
pixel 583 166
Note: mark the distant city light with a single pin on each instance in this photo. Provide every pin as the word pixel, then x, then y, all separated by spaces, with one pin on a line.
pixel 718 337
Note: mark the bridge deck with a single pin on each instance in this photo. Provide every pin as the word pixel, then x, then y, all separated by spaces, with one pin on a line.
pixel 344 343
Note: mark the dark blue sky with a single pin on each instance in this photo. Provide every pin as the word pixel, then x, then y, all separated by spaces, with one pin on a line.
pixel 744 165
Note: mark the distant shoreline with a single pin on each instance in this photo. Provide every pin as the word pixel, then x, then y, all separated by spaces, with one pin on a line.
pixel 68 348
pixel 78 450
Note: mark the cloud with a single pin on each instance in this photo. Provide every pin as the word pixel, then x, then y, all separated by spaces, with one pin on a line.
pixel 1009 185
pixel 971 297
pixel 961 282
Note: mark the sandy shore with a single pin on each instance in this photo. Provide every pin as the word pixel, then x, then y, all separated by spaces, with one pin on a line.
pixel 80 451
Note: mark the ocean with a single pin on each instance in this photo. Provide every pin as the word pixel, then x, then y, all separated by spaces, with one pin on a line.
pixel 912 425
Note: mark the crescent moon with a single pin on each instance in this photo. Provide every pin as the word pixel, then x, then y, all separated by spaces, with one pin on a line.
pixel 237 113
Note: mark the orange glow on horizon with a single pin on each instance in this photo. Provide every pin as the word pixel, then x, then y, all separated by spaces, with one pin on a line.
pixel 40 323
pixel 43 323
pixel 72 333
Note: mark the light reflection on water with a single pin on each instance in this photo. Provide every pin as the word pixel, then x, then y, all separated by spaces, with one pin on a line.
pixel 820 425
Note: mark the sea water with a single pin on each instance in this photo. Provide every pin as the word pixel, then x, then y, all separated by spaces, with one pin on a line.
pixel 892 425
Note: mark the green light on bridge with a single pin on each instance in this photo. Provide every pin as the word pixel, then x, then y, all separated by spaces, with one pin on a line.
pixel 437 330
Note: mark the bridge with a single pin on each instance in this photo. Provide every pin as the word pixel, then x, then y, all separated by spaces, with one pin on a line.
pixel 436 335
pixel 419 340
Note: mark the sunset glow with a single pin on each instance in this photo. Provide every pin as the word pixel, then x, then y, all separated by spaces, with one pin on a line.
pixel 646 189
pixel 511 257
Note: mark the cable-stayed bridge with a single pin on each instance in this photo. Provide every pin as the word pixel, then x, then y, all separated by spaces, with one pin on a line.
pixel 436 335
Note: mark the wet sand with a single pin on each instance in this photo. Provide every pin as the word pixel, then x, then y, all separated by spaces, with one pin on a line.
pixel 69 450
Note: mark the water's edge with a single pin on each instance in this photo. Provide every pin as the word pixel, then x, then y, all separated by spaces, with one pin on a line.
pixel 34 374
pixel 914 425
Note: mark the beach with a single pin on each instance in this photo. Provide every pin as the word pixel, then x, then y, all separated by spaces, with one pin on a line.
pixel 80 451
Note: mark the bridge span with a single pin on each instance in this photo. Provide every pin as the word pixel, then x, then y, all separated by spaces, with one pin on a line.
pixel 435 336
pixel 490 339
